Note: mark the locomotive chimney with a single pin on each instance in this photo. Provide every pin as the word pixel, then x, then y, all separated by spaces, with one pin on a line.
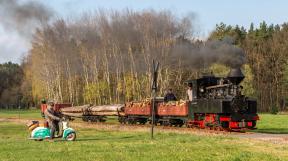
pixel 235 75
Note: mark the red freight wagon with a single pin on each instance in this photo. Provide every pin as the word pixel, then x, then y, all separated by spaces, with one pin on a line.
pixel 170 109
pixel 138 108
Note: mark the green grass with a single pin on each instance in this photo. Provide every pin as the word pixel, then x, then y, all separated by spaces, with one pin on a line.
pixel 276 124
pixel 103 145
pixel 24 114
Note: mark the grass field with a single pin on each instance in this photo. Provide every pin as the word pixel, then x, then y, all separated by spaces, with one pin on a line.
pixel 93 144
pixel 24 114
pixel 274 124
pixel 103 145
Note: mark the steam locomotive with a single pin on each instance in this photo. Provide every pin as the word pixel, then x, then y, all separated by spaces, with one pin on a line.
pixel 218 104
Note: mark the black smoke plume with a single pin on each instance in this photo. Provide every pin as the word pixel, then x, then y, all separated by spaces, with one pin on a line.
pixel 18 23
pixel 203 54
pixel 23 17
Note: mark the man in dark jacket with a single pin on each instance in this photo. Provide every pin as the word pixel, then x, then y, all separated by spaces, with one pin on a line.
pixel 51 118
pixel 170 96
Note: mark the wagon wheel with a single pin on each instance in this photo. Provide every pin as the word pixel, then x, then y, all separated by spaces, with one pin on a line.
pixel 125 120
pixel 143 122
pixel 120 120
pixel 166 123
pixel 84 118
pixel 170 124
pixel 102 119
pixel 131 122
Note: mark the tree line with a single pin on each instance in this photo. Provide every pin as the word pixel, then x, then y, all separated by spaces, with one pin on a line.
pixel 106 57
pixel 266 49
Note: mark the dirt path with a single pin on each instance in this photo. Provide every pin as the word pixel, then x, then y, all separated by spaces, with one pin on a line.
pixel 274 138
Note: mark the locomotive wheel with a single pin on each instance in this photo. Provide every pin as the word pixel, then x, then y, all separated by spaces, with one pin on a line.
pixel 225 124
pixel 189 124
pixel 217 128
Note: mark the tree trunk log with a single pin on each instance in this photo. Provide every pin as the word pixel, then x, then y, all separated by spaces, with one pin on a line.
pixel 94 110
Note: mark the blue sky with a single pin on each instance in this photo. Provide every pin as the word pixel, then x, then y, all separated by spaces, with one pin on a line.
pixel 209 13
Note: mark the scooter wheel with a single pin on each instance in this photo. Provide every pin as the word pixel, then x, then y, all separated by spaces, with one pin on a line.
pixel 71 136
pixel 38 139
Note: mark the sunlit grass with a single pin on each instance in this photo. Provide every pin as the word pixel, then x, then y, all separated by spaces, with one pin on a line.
pixel 268 123
pixel 31 114
pixel 93 144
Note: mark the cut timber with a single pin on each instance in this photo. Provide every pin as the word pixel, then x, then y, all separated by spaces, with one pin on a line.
pixel 92 114
pixel 72 114
pixel 75 109
pixel 107 108
pixel 104 110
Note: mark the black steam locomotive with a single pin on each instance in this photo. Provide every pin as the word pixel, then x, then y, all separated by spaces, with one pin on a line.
pixel 219 103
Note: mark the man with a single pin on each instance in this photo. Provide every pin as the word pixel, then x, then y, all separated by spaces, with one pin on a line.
pixel 190 92
pixel 170 96
pixel 51 118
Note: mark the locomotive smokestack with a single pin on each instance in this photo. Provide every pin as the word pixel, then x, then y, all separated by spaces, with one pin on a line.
pixel 235 75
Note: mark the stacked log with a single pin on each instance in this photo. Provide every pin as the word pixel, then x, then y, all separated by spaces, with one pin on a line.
pixel 104 110
pixel 175 103
pixel 138 108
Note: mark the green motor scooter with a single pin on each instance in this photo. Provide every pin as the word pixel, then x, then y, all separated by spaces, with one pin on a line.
pixel 39 133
